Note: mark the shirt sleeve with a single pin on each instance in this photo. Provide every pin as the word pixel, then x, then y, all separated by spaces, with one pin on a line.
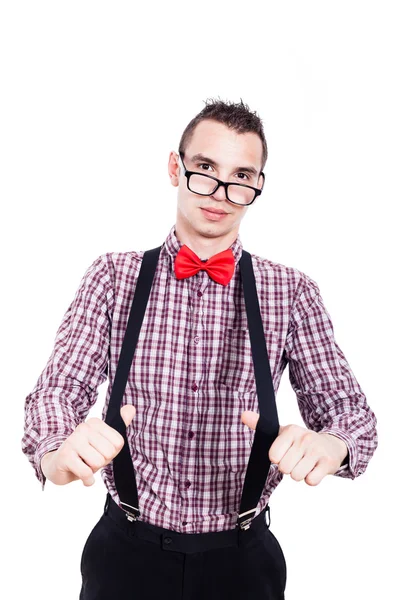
pixel 330 398
pixel 67 387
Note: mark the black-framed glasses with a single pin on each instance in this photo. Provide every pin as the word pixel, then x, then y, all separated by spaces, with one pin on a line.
pixel 206 185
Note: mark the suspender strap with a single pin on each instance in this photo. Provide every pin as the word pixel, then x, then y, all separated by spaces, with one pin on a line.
pixel 124 474
pixel 267 425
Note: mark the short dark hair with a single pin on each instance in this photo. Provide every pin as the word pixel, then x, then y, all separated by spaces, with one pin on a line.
pixel 235 115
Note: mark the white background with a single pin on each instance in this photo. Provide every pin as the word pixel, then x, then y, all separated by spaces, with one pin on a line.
pixel 94 96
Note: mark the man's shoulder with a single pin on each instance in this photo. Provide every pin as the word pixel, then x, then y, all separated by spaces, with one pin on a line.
pixel 121 258
pixel 126 255
pixel 113 265
pixel 280 273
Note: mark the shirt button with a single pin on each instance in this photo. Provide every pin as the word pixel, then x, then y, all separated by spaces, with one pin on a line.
pixel 199 294
pixel 196 339
pixel 194 387
pixel 187 483
pixel 191 434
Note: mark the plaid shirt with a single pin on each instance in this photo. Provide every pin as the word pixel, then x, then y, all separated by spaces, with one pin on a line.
pixel 191 378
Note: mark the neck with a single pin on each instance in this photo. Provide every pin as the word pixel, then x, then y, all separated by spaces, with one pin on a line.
pixel 205 247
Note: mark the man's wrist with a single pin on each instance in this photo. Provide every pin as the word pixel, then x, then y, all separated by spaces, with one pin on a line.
pixel 342 446
pixel 45 459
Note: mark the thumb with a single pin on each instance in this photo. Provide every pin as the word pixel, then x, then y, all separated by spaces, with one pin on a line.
pixel 250 418
pixel 127 413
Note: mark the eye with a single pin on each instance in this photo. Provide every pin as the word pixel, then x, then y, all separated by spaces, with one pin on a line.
pixel 204 164
pixel 244 175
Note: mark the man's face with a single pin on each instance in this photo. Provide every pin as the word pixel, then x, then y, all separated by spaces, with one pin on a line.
pixel 229 153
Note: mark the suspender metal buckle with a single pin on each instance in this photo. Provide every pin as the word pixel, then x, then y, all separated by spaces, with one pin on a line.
pixel 130 515
pixel 246 523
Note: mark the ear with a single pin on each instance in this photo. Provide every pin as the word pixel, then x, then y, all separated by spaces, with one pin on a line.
pixel 173 168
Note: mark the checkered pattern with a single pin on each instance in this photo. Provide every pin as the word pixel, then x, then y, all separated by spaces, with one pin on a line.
pixel 191 378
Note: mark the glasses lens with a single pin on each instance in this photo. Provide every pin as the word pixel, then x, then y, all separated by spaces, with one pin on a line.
pixel 200 184
pixel 240 194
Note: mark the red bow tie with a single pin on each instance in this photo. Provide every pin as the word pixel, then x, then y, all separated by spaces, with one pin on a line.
pixel 219 267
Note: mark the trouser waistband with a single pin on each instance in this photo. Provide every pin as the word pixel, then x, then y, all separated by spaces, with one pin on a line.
pixel 176 541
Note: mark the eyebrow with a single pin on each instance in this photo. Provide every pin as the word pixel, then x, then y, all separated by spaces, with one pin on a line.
pixel 201 157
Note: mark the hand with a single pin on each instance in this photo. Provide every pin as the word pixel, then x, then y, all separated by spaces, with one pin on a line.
pixel 91 446
pixel 301 452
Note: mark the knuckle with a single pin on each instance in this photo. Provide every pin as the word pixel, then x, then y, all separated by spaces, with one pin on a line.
pixel 293 427
pixel 309 437
pixel 82 427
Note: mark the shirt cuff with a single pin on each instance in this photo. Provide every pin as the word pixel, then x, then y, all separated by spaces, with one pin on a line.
pixel 347 470
pixel 53 442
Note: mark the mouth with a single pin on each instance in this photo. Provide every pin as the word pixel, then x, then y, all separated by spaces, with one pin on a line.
pixel 213 214
pixel 215 211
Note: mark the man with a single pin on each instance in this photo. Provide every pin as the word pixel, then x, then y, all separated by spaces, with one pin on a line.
pixel 190 407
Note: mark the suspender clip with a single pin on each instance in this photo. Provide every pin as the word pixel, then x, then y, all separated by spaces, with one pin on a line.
pixel 131 516
pixel 245 524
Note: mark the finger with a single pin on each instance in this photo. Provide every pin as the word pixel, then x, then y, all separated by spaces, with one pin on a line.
pixel 111 434
pixel 250 418
pixel 103 446
pixel 75 464
pixel 281 445
pixel 303 467
pixel 92 457
pixel 127 413
pixel 317 474
pixel 291 459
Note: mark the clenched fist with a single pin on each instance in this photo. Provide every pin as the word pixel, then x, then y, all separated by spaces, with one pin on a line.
pixel 90 447
pixel 305 454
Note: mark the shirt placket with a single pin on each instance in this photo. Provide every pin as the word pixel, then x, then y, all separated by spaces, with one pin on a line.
pixel 196 367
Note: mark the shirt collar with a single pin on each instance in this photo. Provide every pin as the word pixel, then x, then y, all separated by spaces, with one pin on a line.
pixel 172 246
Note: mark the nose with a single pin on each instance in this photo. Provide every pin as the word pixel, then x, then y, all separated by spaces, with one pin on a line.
pixel 220 194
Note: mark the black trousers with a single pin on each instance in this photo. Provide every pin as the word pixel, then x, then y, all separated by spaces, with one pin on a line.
pixel 124 560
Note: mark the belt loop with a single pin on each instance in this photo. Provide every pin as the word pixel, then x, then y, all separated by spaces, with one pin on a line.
pixel 107 504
